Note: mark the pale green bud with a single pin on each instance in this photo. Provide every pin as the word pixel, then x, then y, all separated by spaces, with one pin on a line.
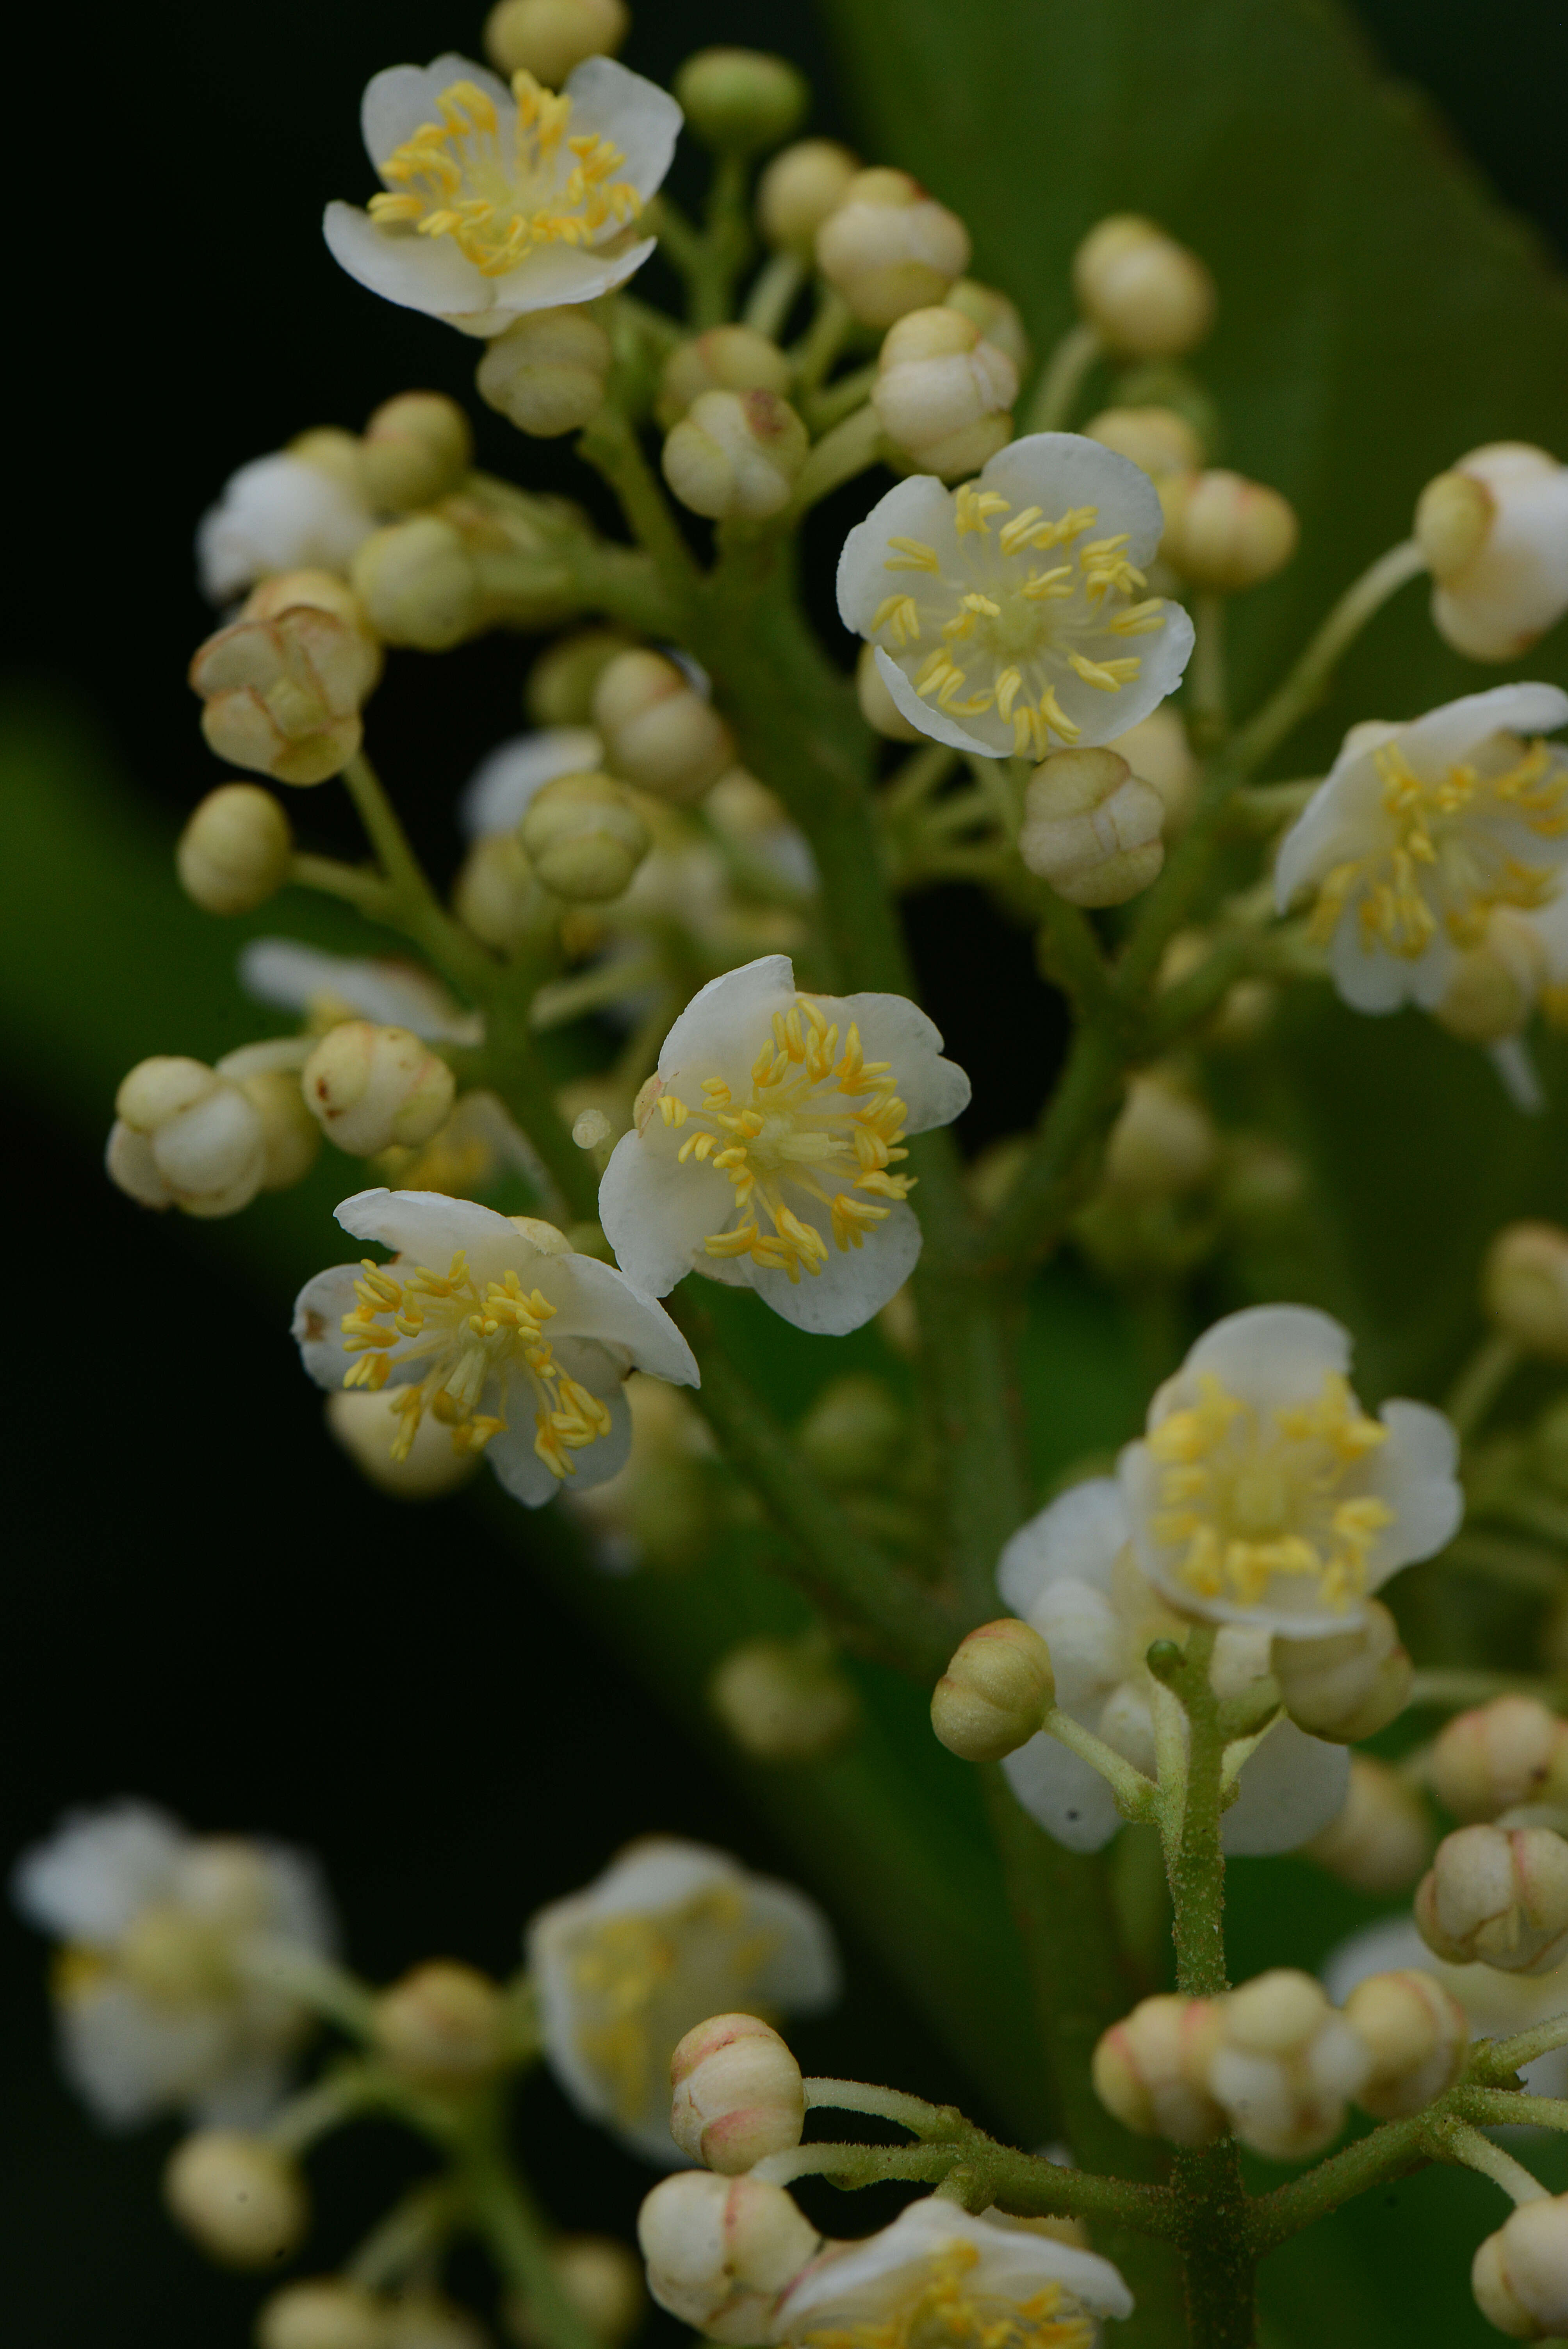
pixel 417 448
pixel 244 2202
pixel 727 358
pixel 735 453
pixel 584 838
pixel 234 853
pixel 741 101
pixel 1148 295
pixel 548 372
pixel 420 584
pixel 372 1087
pixel 549 37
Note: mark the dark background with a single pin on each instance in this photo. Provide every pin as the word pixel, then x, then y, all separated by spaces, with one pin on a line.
pixel 210 1608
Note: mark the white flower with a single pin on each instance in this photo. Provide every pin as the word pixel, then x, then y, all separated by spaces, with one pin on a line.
pixel 939 2275
pixel 1070 1573
pixel 501 790
pixel 1515 584
pixel 670 1934
pixel 328 988
pixel 763 1146
pixel 1418 832
pixel 493 1325
pixel 1497 2003
pixel 501 201
pixel 158 2008
pixel 1263 1493
pixel 1007 614
pixel 278 513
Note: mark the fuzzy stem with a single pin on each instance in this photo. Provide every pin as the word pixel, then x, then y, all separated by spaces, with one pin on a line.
pixel 1055 395
pixel 911 2113
pixel 1309 681
pixel 515 2233
pixel 1456 2141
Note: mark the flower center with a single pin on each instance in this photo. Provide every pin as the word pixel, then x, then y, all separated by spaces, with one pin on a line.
pixel 819 1119
pixel 496 199
pixel 1016 621
pixel 1443 861
pixel 641 1981
pixel 474 1340
pixel 1250 1496
pixel 942 2312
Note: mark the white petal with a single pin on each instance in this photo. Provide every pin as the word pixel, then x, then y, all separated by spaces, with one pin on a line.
pixel 553 276
pixel 302 1905
pixel 656 1214
pixel 932 1091
pixel 1057 1788
pixel 1087 1637
pixel 396 995
pixel 919 508
pixel 419 273
pixel 1415 1473
pixel 1445 737
pixel 518 1469
pixel 801 1972
pixel 498 793
pixel 277 513
pixel 937 722
pixel 1389 1947
pixel 1059 470
pixel 429 1227
pixel 317 1326
pixel 130 2061
pixel 97 1871
pixel 1270 1355
pixel 1290 1789
pixel 1080 1534
pixel 594 1300
pixel 401 100
pixel 642 119
pixel 1100 716
pixel 853 1285
pixel 875 2278
pixel 1369 979
pixel 727 1022
pixel 1332 827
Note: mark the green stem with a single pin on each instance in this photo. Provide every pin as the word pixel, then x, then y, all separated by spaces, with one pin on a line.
pixel 513 1068
pixel 516 2234
pixel 1495 2062
pixel 328 1990
pixel 407 2239
pixel 352 883
pixel 1206 680
pixel 841 398
pixel 1055 395
pixel 1053 1178
pixel 912 2113
pixel 773 293
pixel 726 244
pixel 847 450
pixel 822 343
pixel 1458 1688
pixel 1457 2141
pixel 1215 2231
pixel 610 444
pixel 1480 1384
pixel 1136 1796
pixel 412 904
pixel 322 2108
pixel 1309 681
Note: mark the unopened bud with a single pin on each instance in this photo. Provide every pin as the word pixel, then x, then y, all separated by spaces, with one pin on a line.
pixel 371 1087
pixel 560 688
pixel 234 852
pixel 584 838
pixel 735 453
pixel 1157 752
pixel 996 317
pixel 1524 1287
pixel 1162 1143
pixel 721 2249
pixel 367 1426
pixel 443 2025
pixel 1502 571
pixel 327 2312
pixel 186 1137
pixel 727 358
pixel 1350 1684
pixel 328 450
pixel 602 2279
pixel 1157 439
pixel 784 1700
pixel 420 584
pixel 1229 533
pixel 290 1137
pixel 1284 2065
pixel 878 708
pixel 1495 985
pixel 417 448
pixel 283 695
pixel 741 101
pixel 658 731
pixel 995 1692
pixel 1520 2275
pixel 1499 1895
pixel 1510 1752
pixel 889 247
pixel 496 891
pixel 943 393
pixel 323 591
pixel 1148 295
pixel 1091 828
pixel 547 374
pixel 1453 515
pixel 1149 2071
pixel 854 1431
pixel 800 188
pixel 243 2202
pixel 1417 2036
pixel 1381 1839
pixel 548 37
pixel 737 2094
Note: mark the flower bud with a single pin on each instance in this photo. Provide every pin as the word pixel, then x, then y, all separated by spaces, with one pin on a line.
pixel 1149 2071
pixel 234 852
pixel 1157 439
pixel 800 188
pixel 727 358
pixel 878 708
pixel 496 893
pixel 1350 1684
pixel 602 2279
pixel 721 2249
pixel 186 1137
pixel 1380 1841
pixel 1157 752
pixel 331 452
pixel 1510 1752
pixel 737 2094
pixel 995 1692
pixel 420 584
pixel 1162 1143
pixel 1416 2035
pixel 1524 1287
pixel 1091 828
pixel 327 2312
pixel 323 591
pixel 584 838
pixel 658 731
pixel 547 374
pixel 283 695
pixel 1148 297
pixel 889 247
pixel 996 317
pixel 1495 985
pixel 243 2202
pixel 417 448
pixel 735 453
pixel 290 1137
pixel 741 101
pixel 548 37
pixel 1284 2065
pixel 1229 533
pixel 943 393
pixel 1501 559
pixel 1499 1896
pixel 443 2025
pixel 560 688
pixel 371 1087
pixel 364 1425
pixel 1520 2275
pixel 784 1700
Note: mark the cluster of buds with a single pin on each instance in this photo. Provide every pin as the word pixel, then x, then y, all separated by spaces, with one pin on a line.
pixel 735 454
pixel 1499 1896
pixel 1511 1752
pixel 943 394
pixel 737 2094
pixel 659 732
pixel 888 248
pixel 584 838
pixel 721 2249
pixel 283 688
pixel 207 1140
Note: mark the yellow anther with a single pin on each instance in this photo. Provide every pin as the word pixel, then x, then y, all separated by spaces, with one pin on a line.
pixel 914 556
pixel 1109 675
pixel 1015 534
pixel 1048 586
pixel 900 617
pixel 1137 619
pixel 974 506
pixel 672 1110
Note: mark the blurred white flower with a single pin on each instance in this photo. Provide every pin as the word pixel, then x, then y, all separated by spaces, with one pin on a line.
pixel 1512 585
pixel 499 792
pixel 325 988
pixel 278 513
pixel 1497 2003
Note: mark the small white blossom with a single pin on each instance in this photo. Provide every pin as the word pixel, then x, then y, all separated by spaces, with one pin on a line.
pixel 1008 614
pixel 325 988
pixel 765 1146
pixel 494 1326
pixel 1514 586
pixel 940 2275
pixel 159 1989
pixel 1262 1493
pixel 278 513
pixel 1072 1575
pixel 501 790
pixel 671 1933
pixel 1419 833
pixel 1497 2003
pixel 499 202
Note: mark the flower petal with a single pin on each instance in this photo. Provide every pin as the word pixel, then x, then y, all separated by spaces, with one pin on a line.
pixel 1274 1355
pixel 932 1091
pixel 638 116
pixel 655 1213
pixel 1079 1534
pixel 853 1285
pixel 90 1878
pixel 552 277
pixel 401 100
pixel 1445 737
pixel 919 508
pixel 497 795
pixel 1290 1788
pixel 417 273
pixel 596 1301
pixel 1062 469
pixel 738 1005
pixel 1415 1473
pixel 1063 1794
